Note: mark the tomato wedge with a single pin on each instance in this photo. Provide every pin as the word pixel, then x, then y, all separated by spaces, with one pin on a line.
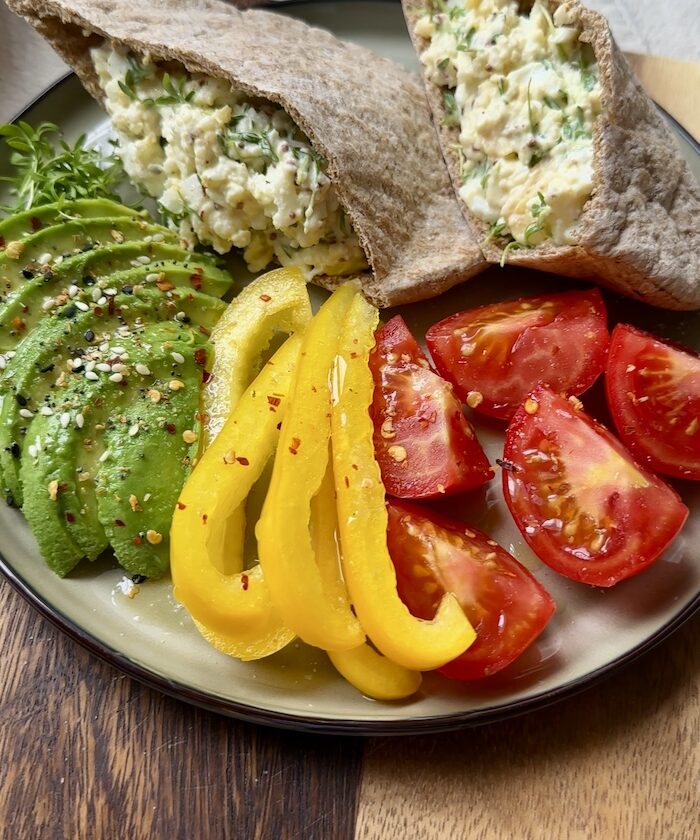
pixel 496 354
pixel 507 606
pixel 423 443
pixel 653 392
pixel 583 505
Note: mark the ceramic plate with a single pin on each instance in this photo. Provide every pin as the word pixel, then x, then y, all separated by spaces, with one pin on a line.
pixel 151 638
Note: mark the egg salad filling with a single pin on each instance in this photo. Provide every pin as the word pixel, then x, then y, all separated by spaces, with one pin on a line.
pixel 227 171
pixel 524 92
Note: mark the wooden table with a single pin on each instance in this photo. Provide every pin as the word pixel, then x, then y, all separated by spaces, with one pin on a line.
pixel 88 753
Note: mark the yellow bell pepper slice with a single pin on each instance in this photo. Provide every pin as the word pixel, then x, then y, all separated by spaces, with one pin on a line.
pixel 369 573
pixel 276 302
pixel 236 609
pixel 319 614
pixel 368 671
pixel 374 675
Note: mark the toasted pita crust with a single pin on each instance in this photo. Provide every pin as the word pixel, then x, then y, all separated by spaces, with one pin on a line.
pixel 365 114
pixel 640 230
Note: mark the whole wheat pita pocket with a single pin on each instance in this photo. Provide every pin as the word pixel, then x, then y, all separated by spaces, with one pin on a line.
pixel 366 115
pixel 639 233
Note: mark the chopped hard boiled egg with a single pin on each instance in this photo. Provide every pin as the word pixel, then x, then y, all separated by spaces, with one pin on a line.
pixel 227 171
pixel 524 91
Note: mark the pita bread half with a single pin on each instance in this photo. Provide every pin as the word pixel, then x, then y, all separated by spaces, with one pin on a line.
pixel 639 233
pixel 366 115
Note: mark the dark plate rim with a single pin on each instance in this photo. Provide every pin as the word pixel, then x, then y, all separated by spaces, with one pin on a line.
pixel 329 726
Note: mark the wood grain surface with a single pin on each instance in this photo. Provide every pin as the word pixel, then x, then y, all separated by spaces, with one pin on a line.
pixel 87 753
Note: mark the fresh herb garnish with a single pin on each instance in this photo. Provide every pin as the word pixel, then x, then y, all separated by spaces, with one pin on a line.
pixel 552 103
pixel 502 85
pixel 48 169
pixel 442 65
pixel 496 230
pixel 575 128
pixel 232 138
pixel 465 41
pixel 175 93
pixel 451 111
pixel 533 124
pixel 538 224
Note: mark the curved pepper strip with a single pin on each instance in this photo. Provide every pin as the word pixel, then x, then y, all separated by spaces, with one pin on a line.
pixel 276 302
pixel 374 675
pixel 236 610
pixel 369 573
pixel 320 615
pixel 368 671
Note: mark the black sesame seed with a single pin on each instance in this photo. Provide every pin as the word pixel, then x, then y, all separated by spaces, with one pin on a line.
pixel 21 400
pixel 27 274
pixel 89 335
pixel 88 246
pixel 9 500
pixel 47 368
pixel 88 280
pixel 15 450
pixel 48 276
pixel 69 311
pixel 138 578
pixel 128 290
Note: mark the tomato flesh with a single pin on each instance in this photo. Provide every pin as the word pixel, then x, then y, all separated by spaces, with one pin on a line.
pixel 506 605
pixel 424 444
pixel 496 354
pixel 583 505
pixel 653 391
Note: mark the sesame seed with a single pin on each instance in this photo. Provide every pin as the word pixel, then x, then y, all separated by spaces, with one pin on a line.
pixel 47 304
pixel 73 290
pixel 65 420
pixel 44 258
pixel 103 457
pixel 178 358
pixel 101 301
pixel 79 421
pixel 111 292
pixel 116 377
pixel 46 410
pixel 134 430
pixel 176 384
pixel 189 436
pixel 26 413
pixel 118 351
pixel 103 367
pixel 154 395
pixel 143 259
pixel 96 293
pixel 153 537
pixel 81 305
pixel 152 278
pixel 90 365
pixel 142 369
pixel 158 237
pixel 31 449
pixel 118 367
pixel 91 375
pixel 3 362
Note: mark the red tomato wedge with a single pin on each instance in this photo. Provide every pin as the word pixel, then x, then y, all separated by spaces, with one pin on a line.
pixel 507 606
pixel 583 505
pixel 423 443
pixel 653 392
pixel 496 354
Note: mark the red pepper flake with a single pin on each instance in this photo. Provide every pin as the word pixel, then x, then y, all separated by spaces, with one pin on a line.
pixel 36 223
pixel 98 311
pixel 62 487
pixel 25 309
pixel 110 306
pixel 170 428
pixel 294 448
pixel 119 523
pixel 206 376
pixel 137 540
pixel 244 583
pixel 353 355
pixel 70 517
pixel 18 324
pixel 355 467
pixel 274 401
pixel 180 506
pixel 347 482
pixel 165 285
pixel 202 417
pixel 265 298
pixel 200 356
pixel 244 462
pixel 204 331
pixel 205 518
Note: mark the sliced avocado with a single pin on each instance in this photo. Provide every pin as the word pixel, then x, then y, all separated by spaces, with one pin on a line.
pixel 44 361
pixel 23 224
pixel 150 450
pixel 68 436
pixel 53 244
pixel 44 292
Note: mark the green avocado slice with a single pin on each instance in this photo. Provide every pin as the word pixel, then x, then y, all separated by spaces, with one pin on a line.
pixel 23 224
pixel 51 245
pixel 79 275
pixel 150 450
pixel 66 442
pixel 41 362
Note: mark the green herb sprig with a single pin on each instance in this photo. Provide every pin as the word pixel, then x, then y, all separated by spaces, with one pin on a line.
pixel 451 110
pixel 232 138
pixel 175 92
pixel 538 224
pixel 48 169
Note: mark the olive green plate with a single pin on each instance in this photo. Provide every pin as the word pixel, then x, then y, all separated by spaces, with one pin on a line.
pixel 152 638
